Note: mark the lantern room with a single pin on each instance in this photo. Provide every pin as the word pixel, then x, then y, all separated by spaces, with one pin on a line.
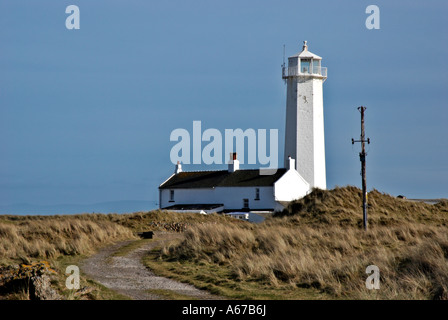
pixel 305 63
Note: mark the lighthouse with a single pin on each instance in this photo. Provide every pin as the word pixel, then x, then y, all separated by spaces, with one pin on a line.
pixel 304 131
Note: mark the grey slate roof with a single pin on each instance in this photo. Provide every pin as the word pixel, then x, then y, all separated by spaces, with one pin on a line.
pixel 195 206
pixel 221 178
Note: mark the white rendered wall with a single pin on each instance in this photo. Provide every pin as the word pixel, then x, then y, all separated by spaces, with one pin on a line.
pixel 291 122
pixel 186 196
pixel 320 180
pixel 304 132
pixel 290 186
pixel 231 197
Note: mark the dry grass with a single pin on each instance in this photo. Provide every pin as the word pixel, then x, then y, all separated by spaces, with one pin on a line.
pixel 315 249
pixel 342 206
pixel 37 237
pixel 61 240
pixel 318 243
pixel 67 239
pixel 167 221
pixel 26 238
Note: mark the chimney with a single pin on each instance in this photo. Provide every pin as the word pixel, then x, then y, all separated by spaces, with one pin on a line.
pixel 234 164
pixel 178 168
pixel 292 163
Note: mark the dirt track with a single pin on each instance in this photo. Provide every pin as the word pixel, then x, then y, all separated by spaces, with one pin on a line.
pixel 128 276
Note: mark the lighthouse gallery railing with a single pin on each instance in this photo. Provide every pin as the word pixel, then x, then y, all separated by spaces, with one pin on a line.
pixel 294 71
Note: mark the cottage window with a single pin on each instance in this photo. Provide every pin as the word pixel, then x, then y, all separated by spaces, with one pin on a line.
pixel 246 203
pixel 171 195
pixel 257 193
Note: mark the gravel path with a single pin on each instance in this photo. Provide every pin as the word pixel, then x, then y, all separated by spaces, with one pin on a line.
pixel 128 276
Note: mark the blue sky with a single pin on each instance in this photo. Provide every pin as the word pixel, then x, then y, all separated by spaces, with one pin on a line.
pixel 86 115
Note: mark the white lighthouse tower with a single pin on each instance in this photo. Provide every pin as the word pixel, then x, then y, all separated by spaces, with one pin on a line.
pixel 304 132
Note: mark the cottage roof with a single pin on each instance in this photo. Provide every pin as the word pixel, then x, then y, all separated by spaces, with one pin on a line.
pixel 221 178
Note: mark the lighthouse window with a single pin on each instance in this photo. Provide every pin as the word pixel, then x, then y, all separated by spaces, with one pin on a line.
pixel 316 68
pixel 305 65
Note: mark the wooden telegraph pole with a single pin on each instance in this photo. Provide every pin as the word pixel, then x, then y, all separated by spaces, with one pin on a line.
pixel 362 157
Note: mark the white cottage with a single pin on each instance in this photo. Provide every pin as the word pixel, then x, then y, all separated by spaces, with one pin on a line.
pixel 231 190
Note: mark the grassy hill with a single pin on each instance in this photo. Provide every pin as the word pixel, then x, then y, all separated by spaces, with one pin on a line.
pixel 343 206
pixel 316 249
